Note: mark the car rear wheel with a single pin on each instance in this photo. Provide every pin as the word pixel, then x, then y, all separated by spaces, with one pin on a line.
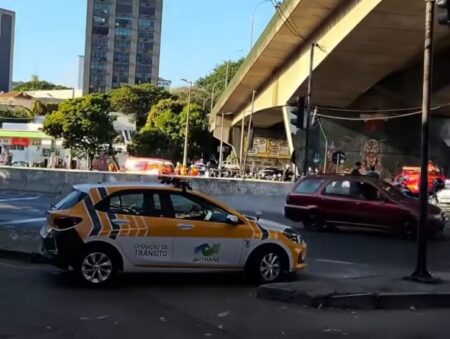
pixel 97 267
pixel 314 224
pixel 268 265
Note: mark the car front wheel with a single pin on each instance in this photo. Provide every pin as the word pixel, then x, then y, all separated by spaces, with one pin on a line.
pixel 97 267
pixel 268 266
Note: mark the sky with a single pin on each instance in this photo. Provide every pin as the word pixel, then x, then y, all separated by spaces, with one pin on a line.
pixel 197 35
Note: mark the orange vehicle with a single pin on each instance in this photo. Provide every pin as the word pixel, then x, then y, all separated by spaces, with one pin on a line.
pixel 410 176
pixel 149 166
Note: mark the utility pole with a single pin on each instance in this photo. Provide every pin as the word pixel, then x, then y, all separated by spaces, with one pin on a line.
pixel 186 133
pixel 421 273
pixel 309 107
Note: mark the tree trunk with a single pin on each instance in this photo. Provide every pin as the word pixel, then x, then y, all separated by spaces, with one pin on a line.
pixel 91 162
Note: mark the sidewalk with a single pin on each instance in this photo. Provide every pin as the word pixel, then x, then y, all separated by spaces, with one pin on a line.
pixel 375 292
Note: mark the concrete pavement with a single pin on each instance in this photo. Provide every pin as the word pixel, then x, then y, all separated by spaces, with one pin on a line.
pixel 43 302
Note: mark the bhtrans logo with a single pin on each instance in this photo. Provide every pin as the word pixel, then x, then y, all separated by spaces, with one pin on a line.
pixel 206 253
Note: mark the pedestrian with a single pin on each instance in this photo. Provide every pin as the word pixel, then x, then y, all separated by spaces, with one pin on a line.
pixel 373 173
pixel 357 169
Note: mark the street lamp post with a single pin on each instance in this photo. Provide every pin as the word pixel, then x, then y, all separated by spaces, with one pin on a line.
pixel 186 132
pixel 253 22
pixel 212 92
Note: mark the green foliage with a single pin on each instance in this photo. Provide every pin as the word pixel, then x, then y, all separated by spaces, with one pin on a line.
pixel 40 108
pixel 152 142
pixel 199 96
pixel 137 99
pixel 15 115
pixel 35 85
pixel 84 124
pixel 218 75
pixel 163 134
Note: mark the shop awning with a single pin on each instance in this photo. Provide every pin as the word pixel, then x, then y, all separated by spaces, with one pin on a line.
pixel 24 134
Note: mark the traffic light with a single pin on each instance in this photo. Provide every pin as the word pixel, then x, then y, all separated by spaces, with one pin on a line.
pixel 300 114
pixel 444 19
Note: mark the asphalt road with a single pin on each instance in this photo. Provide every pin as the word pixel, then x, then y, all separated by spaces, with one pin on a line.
pixel 343 253
pixel 42 302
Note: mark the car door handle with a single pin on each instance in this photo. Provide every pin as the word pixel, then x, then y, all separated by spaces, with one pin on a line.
pixel 185 227
pixel 119 222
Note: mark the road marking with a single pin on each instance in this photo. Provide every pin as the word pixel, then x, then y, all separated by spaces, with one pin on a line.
pixel 17 199
pixel 336 262
pixel 21 221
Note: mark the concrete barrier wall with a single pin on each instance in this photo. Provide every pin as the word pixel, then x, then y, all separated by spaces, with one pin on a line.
pixel 61 181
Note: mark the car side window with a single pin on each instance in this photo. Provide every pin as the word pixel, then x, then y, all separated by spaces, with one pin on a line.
pixel 189 207
pixel 368 192
pixel 338 187
pixel 308 186
pixel 133 203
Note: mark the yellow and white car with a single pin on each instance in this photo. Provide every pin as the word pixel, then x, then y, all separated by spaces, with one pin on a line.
pixel 102 229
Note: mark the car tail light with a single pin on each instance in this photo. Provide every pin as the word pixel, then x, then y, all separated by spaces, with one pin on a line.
pixel 63 223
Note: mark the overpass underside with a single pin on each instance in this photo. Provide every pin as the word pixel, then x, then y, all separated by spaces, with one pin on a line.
pixel 369 56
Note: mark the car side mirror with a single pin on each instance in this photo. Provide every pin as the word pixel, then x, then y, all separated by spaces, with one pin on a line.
pixel 232 219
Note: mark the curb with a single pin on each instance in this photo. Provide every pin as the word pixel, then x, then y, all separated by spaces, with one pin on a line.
pixel 361 301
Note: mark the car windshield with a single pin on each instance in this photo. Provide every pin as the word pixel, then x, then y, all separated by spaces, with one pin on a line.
pixel 392 191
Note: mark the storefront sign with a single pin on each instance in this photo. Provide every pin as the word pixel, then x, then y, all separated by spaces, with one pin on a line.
pixel 25 142
pixel 5 141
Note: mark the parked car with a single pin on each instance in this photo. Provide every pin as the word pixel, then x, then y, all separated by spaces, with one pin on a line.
pixel 19 164
pixel 270 173
pixel 102 229
pixel 149 166
pixel 331 201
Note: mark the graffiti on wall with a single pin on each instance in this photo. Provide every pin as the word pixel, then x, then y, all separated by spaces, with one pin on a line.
pixel 269 148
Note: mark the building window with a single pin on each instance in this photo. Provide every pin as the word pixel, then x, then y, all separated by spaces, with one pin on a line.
pixel 100 20
pixel 143 47
pixel 143 69
pixel 149 11
pixel 16 148
pixel 122 57
pixel 101 8
pixel 124 8
pixel 144 58
pixel 122 44
pixel 100 30
pixel 146 34
pixel 146 23
pixel 36 142
pixel 123 22
pixel 123 31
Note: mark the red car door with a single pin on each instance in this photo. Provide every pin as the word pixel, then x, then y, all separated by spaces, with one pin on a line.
pixel 337 202
pixel 373 208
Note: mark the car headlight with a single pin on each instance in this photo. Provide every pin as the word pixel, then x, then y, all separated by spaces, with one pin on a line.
pixel 293 235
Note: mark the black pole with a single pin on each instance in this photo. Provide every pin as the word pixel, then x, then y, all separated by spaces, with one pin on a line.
pixel 308 110
pixel 421 273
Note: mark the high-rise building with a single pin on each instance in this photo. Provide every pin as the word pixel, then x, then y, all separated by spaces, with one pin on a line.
pixel 123 39
pixel 7 22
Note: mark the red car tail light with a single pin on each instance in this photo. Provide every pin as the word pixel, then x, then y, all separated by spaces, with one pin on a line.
pixel 63 223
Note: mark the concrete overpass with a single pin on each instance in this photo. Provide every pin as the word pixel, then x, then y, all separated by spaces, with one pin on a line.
pixel 369 55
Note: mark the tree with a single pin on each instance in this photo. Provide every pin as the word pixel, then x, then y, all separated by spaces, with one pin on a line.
pixel 137 99
pixel 162 108
pixel 154 143
pixel 35 85
pixel 199 96
pixel 218 75
pixel 15 115
pixel 40 108
pixel 201 141
pixel 84 124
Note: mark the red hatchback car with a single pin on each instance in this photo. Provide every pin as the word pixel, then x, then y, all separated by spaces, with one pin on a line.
pixel 331 200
